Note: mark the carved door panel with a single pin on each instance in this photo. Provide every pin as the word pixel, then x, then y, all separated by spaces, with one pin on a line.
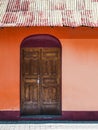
pixel 40 81
pixel 50 78
pixel 30 60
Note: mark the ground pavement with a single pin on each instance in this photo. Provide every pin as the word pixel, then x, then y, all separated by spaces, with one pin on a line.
pixel 47 125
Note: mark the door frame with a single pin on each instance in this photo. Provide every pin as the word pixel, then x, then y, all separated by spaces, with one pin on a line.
pixel 42 40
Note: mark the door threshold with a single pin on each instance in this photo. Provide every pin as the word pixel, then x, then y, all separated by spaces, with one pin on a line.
pixel 41 116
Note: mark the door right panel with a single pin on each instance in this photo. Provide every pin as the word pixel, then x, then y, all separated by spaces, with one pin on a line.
pixel 50 81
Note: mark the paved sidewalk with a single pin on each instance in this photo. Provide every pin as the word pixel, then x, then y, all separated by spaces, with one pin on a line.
pixel 48 125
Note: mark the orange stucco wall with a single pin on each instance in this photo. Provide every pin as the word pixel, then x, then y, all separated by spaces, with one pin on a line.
pixel 79 66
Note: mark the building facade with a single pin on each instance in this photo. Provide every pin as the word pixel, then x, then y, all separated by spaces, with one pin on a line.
pixel 70 58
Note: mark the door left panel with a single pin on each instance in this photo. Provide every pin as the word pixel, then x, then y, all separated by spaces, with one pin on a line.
pixel 30 61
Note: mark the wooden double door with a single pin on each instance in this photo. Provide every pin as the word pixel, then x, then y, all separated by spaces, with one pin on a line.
pixel 40 81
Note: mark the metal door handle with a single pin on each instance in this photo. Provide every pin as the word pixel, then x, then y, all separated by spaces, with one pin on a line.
pixel 38 80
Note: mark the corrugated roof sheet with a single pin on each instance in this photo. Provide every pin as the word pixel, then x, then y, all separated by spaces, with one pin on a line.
pixel 48 13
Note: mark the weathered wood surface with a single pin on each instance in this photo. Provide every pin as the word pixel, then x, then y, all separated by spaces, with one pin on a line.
pixel 40 81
